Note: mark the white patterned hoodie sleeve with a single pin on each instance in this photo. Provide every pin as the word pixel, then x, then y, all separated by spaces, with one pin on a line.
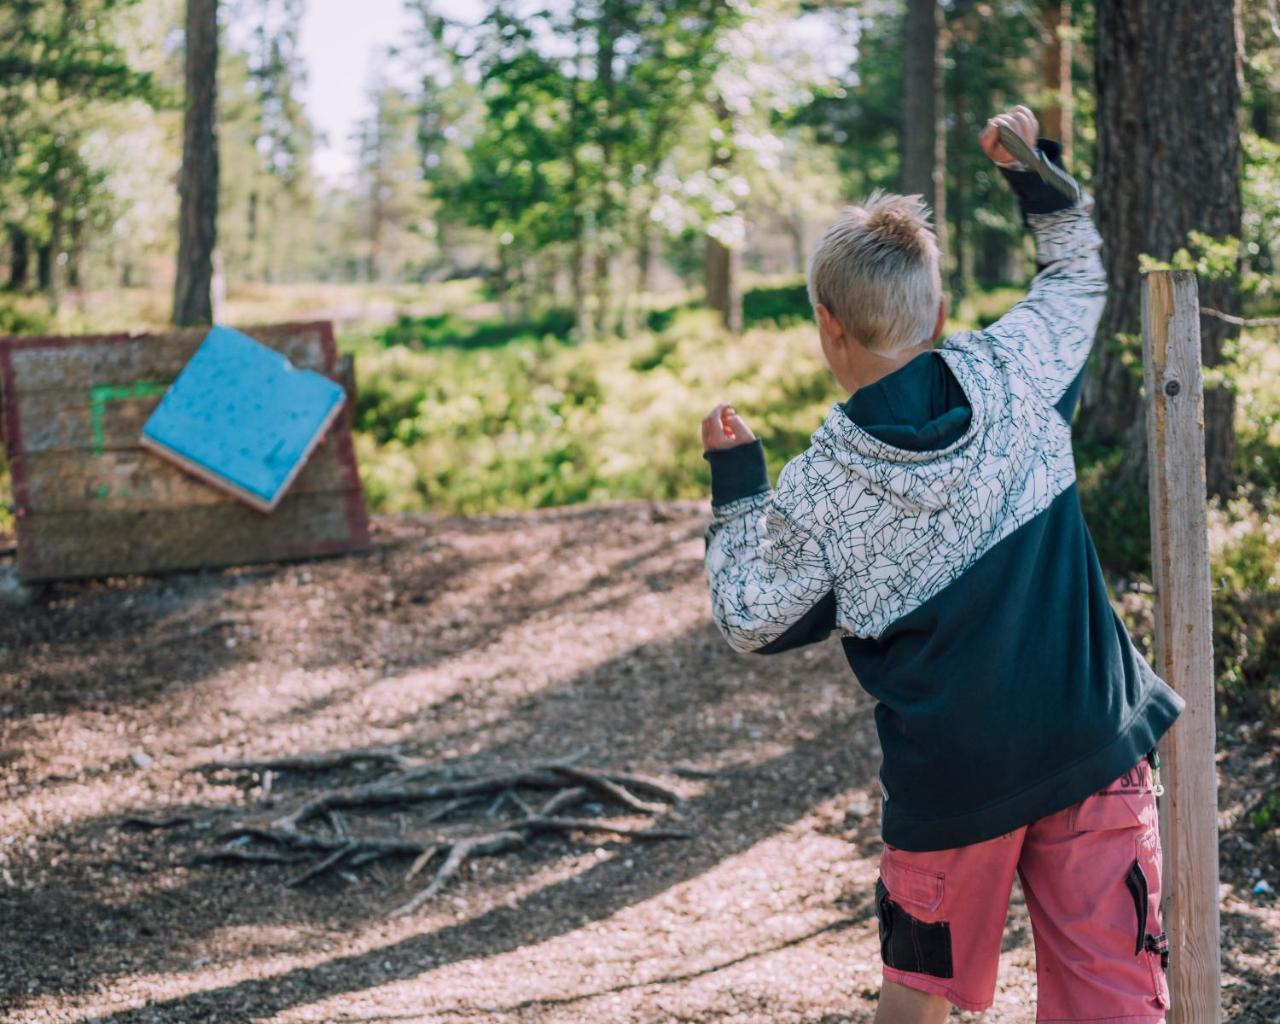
pixel 765 562
pixel 1047 336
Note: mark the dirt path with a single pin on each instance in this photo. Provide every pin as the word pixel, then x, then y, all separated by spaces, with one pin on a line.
pixel 504 638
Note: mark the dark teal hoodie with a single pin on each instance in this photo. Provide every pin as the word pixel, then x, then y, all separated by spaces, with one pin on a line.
pixel 934 522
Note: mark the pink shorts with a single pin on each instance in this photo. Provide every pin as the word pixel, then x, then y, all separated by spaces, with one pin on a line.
pixel 1091 876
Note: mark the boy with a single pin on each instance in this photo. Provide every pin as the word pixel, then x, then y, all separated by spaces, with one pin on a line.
pixel 934 520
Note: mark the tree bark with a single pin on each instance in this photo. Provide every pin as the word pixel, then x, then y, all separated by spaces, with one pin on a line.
pixel 603 263
pixel 44 266
pixel 19 258
pixel 960 239
pixel 75 250
pixel 51 279
pixel 578 258
pixel 1168 162
pixel 924 137
pixel 1056 118
pixel 198 184
pixel 722 265
pixel 723 283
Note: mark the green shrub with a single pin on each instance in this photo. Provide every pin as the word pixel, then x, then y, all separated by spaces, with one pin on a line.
pixel 1266 815
pixel 22 316
pixel 537 422
pixel 450 329
pixel 1245 554
pixel 781 304
pixel 1118 514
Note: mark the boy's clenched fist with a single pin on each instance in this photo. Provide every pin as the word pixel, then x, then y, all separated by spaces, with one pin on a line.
pixel 724 428
pixel 1023 123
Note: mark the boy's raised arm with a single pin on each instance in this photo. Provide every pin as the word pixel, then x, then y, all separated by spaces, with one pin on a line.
pixel 1048 335
pixel 771 585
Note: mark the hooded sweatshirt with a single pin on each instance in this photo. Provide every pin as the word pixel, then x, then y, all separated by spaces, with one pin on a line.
pixel 934 522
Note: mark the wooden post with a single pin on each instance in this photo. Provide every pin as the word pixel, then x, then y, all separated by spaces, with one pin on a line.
pixel 1183 635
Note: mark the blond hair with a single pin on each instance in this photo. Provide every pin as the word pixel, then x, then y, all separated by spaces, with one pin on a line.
pixel 876 270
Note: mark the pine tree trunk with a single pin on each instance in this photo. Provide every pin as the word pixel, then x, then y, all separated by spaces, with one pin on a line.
pixel 723 274
pixel 1168 162
pixel 722 266
pixel 644 256
pixel 52 276
pixel 44 266
pixel 1056 119
pixel 578 259
pixel 960 239
pixel 19 258
pixel 606 36
pixel 198 184
pixel 75 252
pixel 924 137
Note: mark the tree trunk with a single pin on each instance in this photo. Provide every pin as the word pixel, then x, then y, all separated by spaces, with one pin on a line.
pixel 924 137
pixel 198 184
pixel 19 258
pixel 644 256
pixel 251 235
pixel 961 238
pixel 75 252
pixel 44 266
pixel 722 267
pixel 1056 118
pixel 605 39
pixel 52 277
pixel 1168 162
pixel 601 273
pixel 723 282
pixel 578 259
pixel 793 222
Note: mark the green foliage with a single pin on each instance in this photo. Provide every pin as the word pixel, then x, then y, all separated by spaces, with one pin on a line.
pixel 22 317
pixel 1266 815
pixel 537 422
pixel 452 330
pixel 1255 377
pixel 1245 539
pixel 988 51
pixel 1118 515
pixel 1211 258
pixel 56 60
pixel 779 304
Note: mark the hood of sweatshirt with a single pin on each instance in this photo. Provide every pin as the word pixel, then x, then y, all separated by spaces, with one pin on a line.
pixel 910 438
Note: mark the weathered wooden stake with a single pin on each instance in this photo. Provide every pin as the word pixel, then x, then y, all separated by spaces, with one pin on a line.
pixel 1183 635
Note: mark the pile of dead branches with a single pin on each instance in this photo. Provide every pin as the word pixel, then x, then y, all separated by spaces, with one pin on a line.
pixel 458 811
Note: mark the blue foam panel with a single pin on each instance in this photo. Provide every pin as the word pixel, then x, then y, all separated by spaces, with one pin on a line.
pixel 241 417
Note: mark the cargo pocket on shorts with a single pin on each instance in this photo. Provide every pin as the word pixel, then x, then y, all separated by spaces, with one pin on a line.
pixel 908 943
pixel 1143 882
pixel 1132 815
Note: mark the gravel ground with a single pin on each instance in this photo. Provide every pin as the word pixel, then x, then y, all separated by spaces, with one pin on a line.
pixel 508 638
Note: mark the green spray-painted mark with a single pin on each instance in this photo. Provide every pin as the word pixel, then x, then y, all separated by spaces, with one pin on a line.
pixel 104 393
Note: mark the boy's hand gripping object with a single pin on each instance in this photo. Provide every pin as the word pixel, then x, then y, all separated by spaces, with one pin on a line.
pixel 1035 160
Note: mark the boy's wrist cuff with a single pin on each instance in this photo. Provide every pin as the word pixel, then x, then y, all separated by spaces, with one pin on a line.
pixel 737 472
pixel 1035 195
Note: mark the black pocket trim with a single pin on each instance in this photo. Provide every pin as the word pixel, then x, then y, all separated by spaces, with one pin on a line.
pixel 909 944
pixel 1136 882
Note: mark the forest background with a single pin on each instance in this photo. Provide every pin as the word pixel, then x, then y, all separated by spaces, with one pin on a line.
pixel 568 228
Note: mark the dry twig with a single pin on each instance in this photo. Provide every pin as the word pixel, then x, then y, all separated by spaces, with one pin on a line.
pixel 1240 321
